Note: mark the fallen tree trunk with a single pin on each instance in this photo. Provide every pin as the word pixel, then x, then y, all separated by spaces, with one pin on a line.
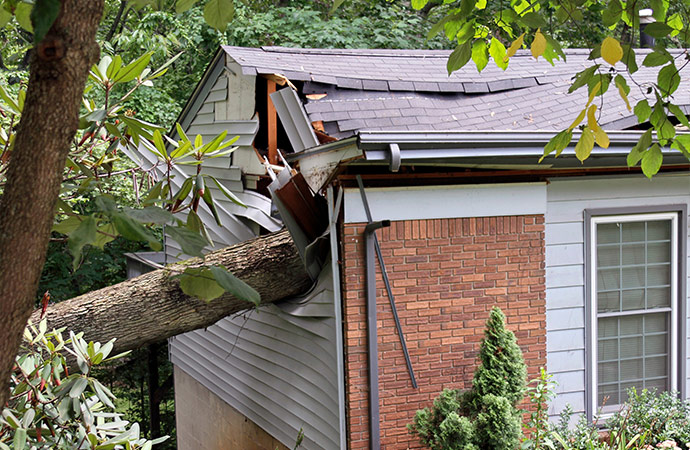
pixel 152 307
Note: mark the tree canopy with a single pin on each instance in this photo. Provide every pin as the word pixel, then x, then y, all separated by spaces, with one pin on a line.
pixel 488 30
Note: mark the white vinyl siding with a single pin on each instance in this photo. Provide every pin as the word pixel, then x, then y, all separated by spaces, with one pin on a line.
pixel 567 200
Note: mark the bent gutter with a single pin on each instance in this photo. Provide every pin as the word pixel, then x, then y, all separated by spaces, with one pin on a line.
pixel 372 335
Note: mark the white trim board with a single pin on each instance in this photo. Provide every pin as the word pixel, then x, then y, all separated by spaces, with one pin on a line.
pixel 445 202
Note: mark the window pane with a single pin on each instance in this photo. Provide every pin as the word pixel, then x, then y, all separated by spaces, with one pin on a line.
pixel 631 325
pixel 608 233
pixel 608 279
pixel 633 276
pixel 659 275
pixel 608 394
pixel 655 323
pixel 608 255
pixel 633 299
pixel 633 231
pixel 656 344
pixel 659 230
pixel 658 297
pixel 608 350
pixel 631 369
pixel 607 327
pixel 633 254
pixel 656 367
pixel 658 252
pixel 609 301
pixel 631 347
pixel 608 372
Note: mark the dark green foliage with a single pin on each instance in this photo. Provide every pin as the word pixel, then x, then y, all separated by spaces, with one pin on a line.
pixel 485 417
pixel 502 370
pixel 100 268
pixel 498 423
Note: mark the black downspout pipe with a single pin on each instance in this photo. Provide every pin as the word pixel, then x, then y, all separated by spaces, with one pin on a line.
pixel 372 335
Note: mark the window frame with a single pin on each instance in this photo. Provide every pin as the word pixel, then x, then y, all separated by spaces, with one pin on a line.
pixel 677 214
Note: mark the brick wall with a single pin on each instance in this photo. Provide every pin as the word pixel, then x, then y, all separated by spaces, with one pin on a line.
pixel 446 275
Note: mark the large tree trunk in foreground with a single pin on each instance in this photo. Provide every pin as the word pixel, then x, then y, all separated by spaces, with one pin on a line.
pixel 58 71
pixel 152 307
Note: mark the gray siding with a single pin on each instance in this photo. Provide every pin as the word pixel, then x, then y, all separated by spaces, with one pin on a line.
pixel 565 269
pixel 276 365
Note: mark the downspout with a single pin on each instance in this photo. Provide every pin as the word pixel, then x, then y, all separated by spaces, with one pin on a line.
pixel 372 335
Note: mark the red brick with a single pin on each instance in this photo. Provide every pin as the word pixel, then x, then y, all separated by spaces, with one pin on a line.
pixel 446 275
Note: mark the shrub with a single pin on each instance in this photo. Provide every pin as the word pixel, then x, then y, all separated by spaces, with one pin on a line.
pixel 50 409
pixel 485 417
pixel 498 423
pixel 502 371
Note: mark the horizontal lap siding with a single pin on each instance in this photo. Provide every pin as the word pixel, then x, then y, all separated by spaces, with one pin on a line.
pixel 276 365
pixel 565 266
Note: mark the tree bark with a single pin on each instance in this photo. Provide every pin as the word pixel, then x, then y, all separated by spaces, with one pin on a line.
pixel 58 71
pixel 152 307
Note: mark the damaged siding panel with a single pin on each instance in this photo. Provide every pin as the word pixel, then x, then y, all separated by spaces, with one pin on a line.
pixel 567 199
pixel 276 365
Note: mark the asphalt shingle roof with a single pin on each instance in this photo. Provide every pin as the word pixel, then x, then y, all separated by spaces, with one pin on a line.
pixel 411 90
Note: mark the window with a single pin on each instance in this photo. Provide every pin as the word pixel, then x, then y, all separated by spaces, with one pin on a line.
pixel 633 263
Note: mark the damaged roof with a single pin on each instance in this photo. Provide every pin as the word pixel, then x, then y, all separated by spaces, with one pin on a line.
pixel 398 90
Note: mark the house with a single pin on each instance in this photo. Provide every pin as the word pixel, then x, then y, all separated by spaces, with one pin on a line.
pixel 588 261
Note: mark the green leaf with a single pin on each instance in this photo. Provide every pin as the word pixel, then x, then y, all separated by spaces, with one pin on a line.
pixel 498 52
pixel 585 144
pixel 217 13
pixel 78 387
pixel 150 214
pixel 419 4
pixel 640 148
pixel 582 78
pixel 105 234
pixel 190 242
pixel 19 439
pixel 199 282
pixel 612 14
pixel 133 231
pixel 460 56
pixel 68 225
pixel 657 59
pixel 679 114
pixel 682 143
pixel 228 193
pixel 183 5
pixel 5 17
pixel 651 161
pixel 657 29
pixel 208 199
pixel 642 111
pixel 43 15
pixel 23 15
pixel 195 224
pixel 629 58
pixel 532 20
pixel 557 143
pixel 9 101
pixel 133 69
pixel 235 286
pixel 84 234
pixel 668 80
pixel 480 54
pixel 114 67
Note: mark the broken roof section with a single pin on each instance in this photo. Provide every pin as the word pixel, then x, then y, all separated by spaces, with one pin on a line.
pixel 396 90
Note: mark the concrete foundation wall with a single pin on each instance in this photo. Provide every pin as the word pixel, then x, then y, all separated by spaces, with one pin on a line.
pixel 205 422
